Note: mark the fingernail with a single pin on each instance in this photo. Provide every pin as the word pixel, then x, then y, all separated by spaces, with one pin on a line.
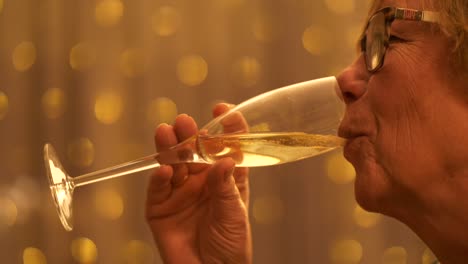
pixel 228 174
pixel 229 105
pixel 161 125
pixel 182 116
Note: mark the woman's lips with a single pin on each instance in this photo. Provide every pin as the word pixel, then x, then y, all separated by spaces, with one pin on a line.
pixel 353 146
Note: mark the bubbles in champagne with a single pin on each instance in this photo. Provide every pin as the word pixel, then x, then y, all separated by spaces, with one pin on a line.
pixel 264 149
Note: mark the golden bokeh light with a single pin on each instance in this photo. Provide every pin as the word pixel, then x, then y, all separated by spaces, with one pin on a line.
pixel 32 255
pixel 161 110
pixel 394 255
pixel 428 257
pixel 246 71
pixel 263 28
pixel 268 210
pixel 82 56
pixel 108 107
pixel 1 6
pixel 365 219
pixel 166 21
pixel 109 204
pixel 84 250
pixel 24 56
pixel 108 12
pixel 8 212
pixel 346 252
pixel 81 152
pixel 339 170
pixel 53 103
pixel 315 40
pixel 138 252
pixel 192 70
pixel 132 62
pixel 3 105
pixel 340 6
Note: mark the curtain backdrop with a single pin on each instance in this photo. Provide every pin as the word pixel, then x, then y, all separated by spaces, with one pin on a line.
pixel 95 77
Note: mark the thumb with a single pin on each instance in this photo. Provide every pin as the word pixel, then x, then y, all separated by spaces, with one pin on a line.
pixel 226 198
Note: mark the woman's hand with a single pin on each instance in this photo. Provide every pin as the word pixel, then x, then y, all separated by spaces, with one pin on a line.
pixel 198 212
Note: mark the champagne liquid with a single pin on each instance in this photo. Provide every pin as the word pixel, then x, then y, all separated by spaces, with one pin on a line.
pixel 264 149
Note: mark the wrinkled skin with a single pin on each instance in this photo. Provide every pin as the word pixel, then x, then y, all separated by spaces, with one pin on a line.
pixel 197 212
pixel 407 130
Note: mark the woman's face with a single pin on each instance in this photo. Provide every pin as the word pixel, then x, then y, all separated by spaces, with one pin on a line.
pixel 406 124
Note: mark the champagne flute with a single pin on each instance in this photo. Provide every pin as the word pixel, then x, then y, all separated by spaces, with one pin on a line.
pixel 279 126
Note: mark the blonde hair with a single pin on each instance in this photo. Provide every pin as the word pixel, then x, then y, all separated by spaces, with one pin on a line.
pixel 453 21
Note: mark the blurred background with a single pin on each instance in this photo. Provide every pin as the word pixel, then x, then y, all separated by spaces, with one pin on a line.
pixel 95 77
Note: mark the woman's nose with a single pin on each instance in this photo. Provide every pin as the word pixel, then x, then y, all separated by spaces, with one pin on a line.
pixel 353 81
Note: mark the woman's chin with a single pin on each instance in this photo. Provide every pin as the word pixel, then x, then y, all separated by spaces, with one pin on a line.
pixel 372 191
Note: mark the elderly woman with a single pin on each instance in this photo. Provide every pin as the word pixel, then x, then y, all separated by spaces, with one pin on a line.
pixel 406 125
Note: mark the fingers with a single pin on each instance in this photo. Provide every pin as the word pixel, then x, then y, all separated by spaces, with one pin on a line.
pixel 240 173
pixel 160 187
pixel 167 136
pixel 181 174
pixel 234 122
pixel 221 108
pixel 221 182
pixel 242 183
pixel 226 201
pixel 185 127
pixel 164 137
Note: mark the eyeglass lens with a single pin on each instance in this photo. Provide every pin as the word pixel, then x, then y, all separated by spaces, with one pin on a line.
pixel 376 36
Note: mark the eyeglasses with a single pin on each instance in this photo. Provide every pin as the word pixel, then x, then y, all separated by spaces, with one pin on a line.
pixel 375 40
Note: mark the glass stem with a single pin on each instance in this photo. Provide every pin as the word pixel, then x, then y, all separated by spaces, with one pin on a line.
pixel 141 164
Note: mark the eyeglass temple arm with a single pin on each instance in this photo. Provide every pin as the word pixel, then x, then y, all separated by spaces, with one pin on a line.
pixel 417 15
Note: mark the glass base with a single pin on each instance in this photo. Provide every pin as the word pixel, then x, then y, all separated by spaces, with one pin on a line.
pixel 61 187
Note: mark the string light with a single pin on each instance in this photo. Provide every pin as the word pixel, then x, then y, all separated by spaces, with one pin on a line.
pixel 166 21
pixel 3 105
pixel 53 103
pixel 84 250
pixel 8 212
pixel 82 56
pixel 263 29
pixel 268 210
pixel 246 71
pixel 339 170
pixel 32 255
pixel 192 70
pixel 109 203
pixel 346 251
pixel 108 12
pixel 138 252
pixel 108 107
pixel 24 56
pixel 394 255
pixel 365 219
pixel 161 110
pixel 428 257
pixel 81 152
pixel 132 62
pixel 315 40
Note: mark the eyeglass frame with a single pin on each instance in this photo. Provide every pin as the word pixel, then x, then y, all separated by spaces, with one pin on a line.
pixel 390 15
